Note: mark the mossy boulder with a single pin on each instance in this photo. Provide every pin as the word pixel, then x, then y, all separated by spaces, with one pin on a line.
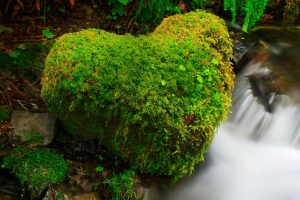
pixel 155 100
pixel 36 168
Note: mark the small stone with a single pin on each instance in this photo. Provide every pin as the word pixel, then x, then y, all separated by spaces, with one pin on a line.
pixel 53 194
pixel 35 128
pixel 77 149
pixel 149 194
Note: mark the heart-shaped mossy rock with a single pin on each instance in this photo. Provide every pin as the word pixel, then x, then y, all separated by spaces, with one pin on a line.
pixel 154 100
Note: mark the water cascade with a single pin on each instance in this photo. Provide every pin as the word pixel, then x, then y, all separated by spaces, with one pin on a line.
pixel 256 153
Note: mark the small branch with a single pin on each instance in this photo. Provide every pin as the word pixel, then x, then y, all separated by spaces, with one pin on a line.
pixel 25 19
pixel 7 192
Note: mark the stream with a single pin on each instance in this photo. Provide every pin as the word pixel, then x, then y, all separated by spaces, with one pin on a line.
pixel 256 153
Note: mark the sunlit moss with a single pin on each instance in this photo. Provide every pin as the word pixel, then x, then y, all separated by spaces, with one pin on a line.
pixel 36 168
pixel 154 100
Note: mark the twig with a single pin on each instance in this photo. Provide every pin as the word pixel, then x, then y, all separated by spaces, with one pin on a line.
pixel 7 5
pixel 15 88
pixel 25 19
pixel 7 192
pixel 22 105
pixel 31 86
pixel 129 24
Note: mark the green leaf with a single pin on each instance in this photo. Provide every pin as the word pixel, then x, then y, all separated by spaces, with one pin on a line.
pixel 182 68
pixel 62 9
pixel 100 157
pixel 6 29
pixel 177 9
pixel 14 54
pixel 163 82
pixel 48 9
pixel 99 169
pixel 215 61
pixel 43 19
pixel 47 33
pixel 118 26
pixel 22 46
pixel 199 87
pixel 199 79
pixel 124 2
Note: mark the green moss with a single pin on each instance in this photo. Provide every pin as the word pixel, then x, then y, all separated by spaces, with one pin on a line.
pixel 154 100
pixel 37 168
pixel 291 11
pixel 33 137
pixel 122 186
pixel 4 114
pixel 25 56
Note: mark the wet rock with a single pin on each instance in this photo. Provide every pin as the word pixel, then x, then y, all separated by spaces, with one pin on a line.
pixel 37 128
pixel 86 185
pixel 212 3
pixel 9 185
pixel 4 196
pixel 261 90
pixel 89 196
pixel 152 188
pixel 149 193
pixel 8 192
pixel 53 194
pixel 35 194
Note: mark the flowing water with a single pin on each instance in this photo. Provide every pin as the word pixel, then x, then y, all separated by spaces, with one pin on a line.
pixel 255 154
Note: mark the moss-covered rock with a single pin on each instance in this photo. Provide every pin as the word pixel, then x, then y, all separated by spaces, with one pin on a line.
pixel 36 168
pixel 154 100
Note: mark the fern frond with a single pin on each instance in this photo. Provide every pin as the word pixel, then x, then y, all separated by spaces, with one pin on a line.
pixel 252 10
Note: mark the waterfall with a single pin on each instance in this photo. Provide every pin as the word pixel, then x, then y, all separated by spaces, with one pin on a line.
pixel 255 154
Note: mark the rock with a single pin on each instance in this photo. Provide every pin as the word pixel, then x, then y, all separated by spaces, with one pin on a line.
pixel 35 128
pixel 4 196
pixel 86 185
pixel 9 185
pixel 212 3
pixel 149 193
pixel 89 196
pixel 53 194
pixel 152 188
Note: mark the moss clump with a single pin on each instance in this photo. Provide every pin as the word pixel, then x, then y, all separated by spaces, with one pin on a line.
pixel 291 11
pixel 36 168
pixel 154 100
pixel 4 114
pixel 122 186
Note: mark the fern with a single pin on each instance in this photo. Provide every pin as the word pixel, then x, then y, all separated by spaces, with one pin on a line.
pixel 253 10
pixel 198 3
pixel 155 10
